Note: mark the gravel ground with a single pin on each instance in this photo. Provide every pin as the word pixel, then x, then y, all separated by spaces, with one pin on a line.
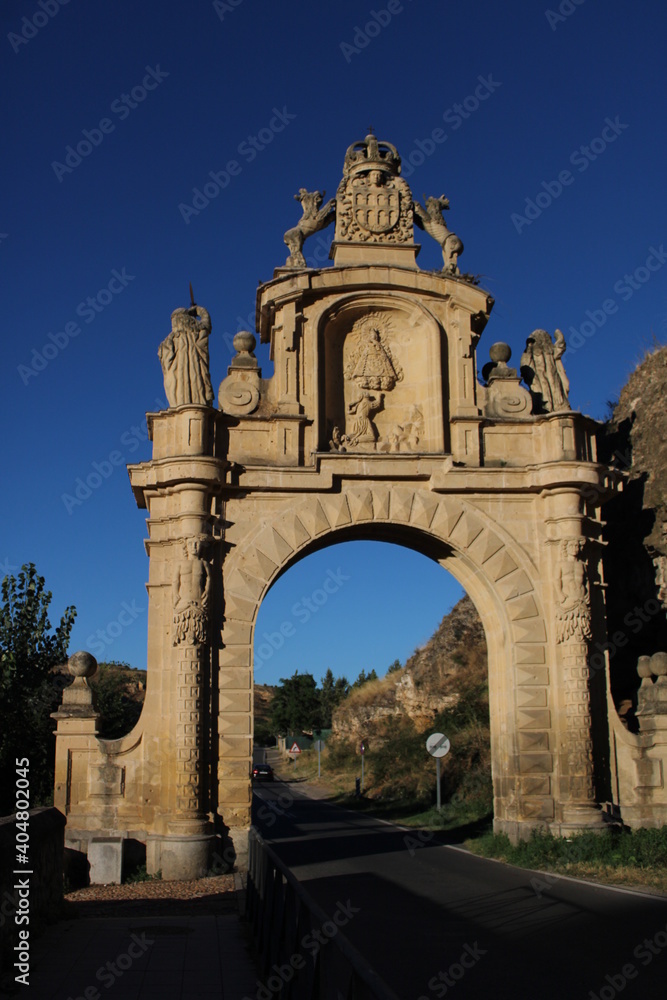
pixel 154 898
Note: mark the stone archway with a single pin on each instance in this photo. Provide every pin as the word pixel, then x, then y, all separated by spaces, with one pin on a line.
pixel 374 424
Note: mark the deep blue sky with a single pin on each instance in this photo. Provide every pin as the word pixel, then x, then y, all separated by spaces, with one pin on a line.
pixel 218 76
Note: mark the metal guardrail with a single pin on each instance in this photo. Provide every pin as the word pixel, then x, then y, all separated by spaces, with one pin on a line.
pixel 303 954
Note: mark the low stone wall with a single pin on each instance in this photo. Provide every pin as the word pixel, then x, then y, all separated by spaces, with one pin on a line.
pixel 43 890
pixel 639 760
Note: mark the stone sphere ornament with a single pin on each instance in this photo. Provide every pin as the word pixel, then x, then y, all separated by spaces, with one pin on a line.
pixel 644 669
pixel 245 342
pixel 500 352
pixel 82 664
pixel 659 667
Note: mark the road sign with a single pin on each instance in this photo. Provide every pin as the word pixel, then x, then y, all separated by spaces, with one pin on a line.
pixel 438 745
pixel 295 748
pixel 319 745
pixel 363 747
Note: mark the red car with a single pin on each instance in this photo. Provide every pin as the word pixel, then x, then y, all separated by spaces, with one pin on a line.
pixel 262 772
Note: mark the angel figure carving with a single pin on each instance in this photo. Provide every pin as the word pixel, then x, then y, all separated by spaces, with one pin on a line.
pixel 543 372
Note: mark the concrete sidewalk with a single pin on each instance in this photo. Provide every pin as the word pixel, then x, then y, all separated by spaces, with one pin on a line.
pixel 143 958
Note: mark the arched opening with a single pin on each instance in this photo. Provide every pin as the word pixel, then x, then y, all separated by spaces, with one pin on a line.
pixel 357 609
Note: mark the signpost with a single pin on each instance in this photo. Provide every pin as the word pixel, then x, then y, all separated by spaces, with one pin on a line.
pixel 363 751
pixel 438 746
pixel 319 746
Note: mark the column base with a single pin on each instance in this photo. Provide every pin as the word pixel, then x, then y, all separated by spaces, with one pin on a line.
pixel 583 818
pixel 179 856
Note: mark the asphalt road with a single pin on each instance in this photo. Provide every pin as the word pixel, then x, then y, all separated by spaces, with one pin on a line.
pixel 435 921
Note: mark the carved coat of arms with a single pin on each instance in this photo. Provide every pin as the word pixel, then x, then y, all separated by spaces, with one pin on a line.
pixel 376 209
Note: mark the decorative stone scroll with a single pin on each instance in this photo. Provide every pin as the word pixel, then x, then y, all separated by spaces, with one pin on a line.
pixel 505 397
pixel 191 588
pixel 239 393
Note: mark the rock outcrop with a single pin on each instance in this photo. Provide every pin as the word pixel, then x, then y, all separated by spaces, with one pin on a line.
pixel 425 686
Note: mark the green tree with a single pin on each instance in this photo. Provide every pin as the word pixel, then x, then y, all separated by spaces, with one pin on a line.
pixel 332 693
pixel 395 666
pixel 364 677
pixel 118 711
pixel 296 704
pixel 28 652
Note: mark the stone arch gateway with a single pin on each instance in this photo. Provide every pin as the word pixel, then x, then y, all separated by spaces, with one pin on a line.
pixel 374 425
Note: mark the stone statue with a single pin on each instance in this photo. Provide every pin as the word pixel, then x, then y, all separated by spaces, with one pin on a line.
pixel 543 372
pixel 371 364
pixel 431 220
pixel 337 442
pixel 364 431
pixel 313 219
pixel 184 357
pixel 190 590
pixel 573 618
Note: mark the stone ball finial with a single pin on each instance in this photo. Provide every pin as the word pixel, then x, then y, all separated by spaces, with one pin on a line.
pixel 644 668
pixel 659 667
pixel 245 342
pixel 500 352
pixel 82 664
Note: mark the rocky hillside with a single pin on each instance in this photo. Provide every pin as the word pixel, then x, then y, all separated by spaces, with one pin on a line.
pixel 640 423
pixel 428 684
pixel 635 560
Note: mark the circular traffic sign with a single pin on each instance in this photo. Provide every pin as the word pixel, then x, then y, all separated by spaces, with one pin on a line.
pixel 438 745
pixel 319 744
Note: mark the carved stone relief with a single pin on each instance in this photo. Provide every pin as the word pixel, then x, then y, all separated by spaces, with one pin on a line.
pixel 371 364
pixel 373 204
pixel 190 590
pixel 313 219
pixel 432 221
pixel 573 618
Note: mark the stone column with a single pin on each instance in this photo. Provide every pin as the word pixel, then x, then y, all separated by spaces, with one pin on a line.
pixel 189 814
pixel 184 851
pixel 573 632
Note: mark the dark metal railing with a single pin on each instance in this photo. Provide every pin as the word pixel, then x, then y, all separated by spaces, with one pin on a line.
pixel 303 954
